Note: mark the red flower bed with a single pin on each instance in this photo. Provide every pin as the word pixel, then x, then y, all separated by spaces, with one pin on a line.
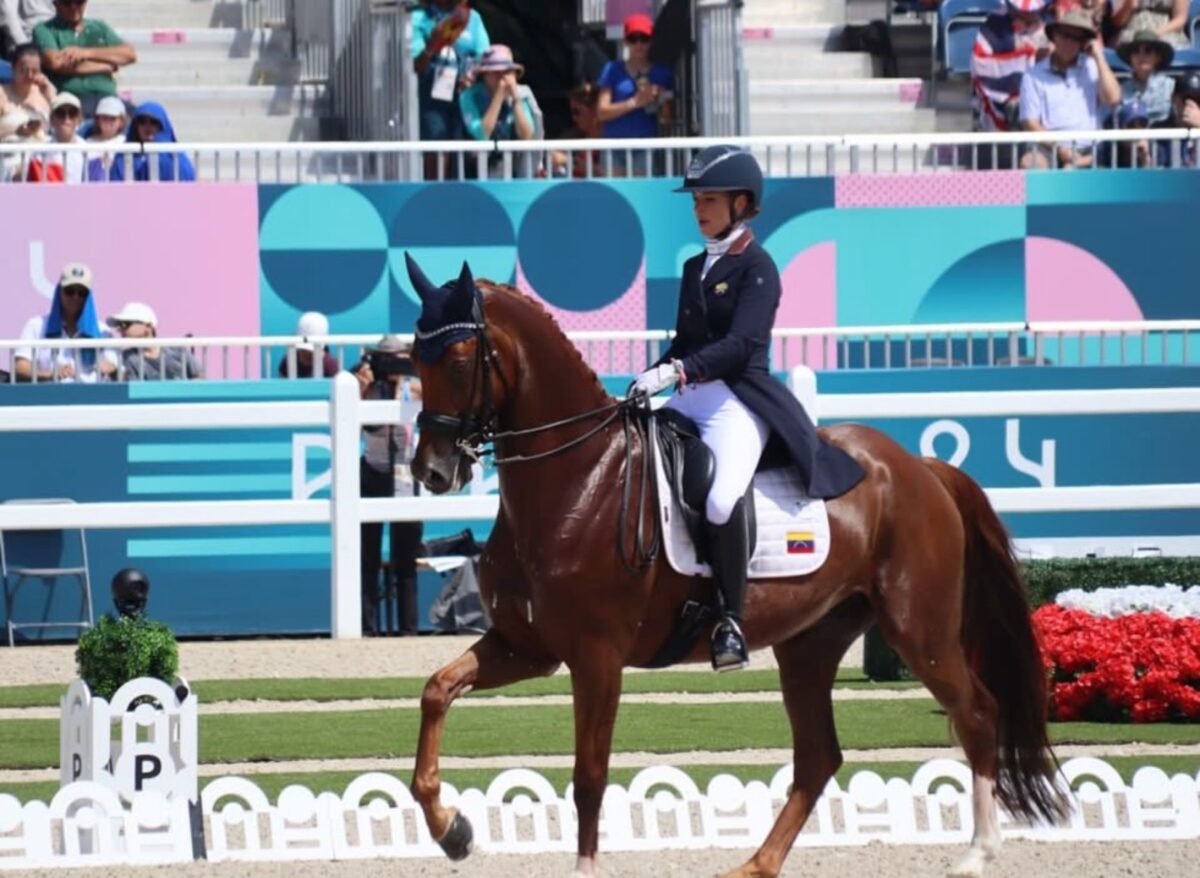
pixel 1143 667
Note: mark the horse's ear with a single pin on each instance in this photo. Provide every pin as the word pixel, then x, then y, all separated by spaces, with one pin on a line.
pixel 464 295
pixel 421 284
pixel 465 280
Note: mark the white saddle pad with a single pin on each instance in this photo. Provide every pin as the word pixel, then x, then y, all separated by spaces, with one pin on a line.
pixel 793 528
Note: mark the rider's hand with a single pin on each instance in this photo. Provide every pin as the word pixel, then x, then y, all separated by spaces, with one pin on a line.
pixel 656 379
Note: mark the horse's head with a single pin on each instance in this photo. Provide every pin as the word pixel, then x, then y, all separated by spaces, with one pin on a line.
pixel 462 385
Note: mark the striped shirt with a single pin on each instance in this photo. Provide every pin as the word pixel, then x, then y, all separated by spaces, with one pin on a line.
pixel 999 60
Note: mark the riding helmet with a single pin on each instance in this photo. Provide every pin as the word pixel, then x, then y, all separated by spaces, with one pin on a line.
pixel 724 169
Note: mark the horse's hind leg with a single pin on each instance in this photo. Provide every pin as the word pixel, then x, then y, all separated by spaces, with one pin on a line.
pixel 808 664
pixel 489 663
pixel 937 658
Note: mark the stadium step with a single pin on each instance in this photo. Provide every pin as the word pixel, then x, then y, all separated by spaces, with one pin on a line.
pixel 209 56
pixel 237 113
pixel 125 14
pixel 834 94
pixel 772 13
pixel 838 121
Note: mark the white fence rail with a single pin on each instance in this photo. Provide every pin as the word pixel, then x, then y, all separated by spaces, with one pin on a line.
pixel 1137 343
pixel 781 156
pixel 345 414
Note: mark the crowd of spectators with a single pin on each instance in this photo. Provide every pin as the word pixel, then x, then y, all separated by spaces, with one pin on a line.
pixel 64 91
pixel 75 314
pixel 470 89
pixel 1043 66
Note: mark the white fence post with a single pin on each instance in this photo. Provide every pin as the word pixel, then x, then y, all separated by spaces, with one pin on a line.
pixel 803 382
pixel 345 596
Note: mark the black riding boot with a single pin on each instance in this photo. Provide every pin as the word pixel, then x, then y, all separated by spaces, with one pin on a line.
pixel 729 555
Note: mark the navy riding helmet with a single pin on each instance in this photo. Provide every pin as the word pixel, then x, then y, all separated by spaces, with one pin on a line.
pixel 725 169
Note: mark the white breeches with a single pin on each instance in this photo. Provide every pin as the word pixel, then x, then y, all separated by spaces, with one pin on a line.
pixel 735 434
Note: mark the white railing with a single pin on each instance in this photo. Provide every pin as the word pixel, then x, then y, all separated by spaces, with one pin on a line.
pixel 1075 343
pixel 521 812
pixel 345 414
pixel 781 156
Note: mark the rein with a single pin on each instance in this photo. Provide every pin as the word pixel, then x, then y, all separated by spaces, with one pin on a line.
pixel 474 432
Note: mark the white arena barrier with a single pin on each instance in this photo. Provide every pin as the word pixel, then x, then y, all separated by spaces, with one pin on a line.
pixel 345 414
pixel 85 824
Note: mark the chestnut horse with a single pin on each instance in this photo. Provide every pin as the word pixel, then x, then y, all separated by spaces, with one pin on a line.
pixel 916 548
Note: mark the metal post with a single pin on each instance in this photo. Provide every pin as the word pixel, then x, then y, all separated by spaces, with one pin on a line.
pixel 345 598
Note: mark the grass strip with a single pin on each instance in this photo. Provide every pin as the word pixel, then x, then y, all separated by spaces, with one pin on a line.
pixel 499 730
pixel 322 689
pixel 335 781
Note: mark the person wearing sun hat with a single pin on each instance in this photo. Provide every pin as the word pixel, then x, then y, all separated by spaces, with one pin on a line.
pixel 1064 91
pixel 1007 45
pixel 137 320
pixel 1147 54
pixel 72 314
pixel 1167 19
pixel 497 106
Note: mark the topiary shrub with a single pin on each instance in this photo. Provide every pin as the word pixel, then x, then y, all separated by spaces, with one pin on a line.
pixel 116 651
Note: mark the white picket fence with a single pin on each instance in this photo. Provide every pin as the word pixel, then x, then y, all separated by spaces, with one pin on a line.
pixel 345 414
pixel 86 824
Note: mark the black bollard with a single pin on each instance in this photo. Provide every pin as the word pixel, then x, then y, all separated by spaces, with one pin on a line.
pixel 130 591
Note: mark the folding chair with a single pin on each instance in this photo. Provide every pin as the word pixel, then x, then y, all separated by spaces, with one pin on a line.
pixel 47 555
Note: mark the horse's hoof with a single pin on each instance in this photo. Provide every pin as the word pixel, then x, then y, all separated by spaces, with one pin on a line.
pixel 971 865
pixel 458 841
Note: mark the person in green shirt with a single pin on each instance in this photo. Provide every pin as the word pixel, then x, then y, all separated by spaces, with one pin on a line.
pixel 80 55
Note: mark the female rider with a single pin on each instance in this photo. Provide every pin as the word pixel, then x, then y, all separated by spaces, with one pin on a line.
pixel 718 362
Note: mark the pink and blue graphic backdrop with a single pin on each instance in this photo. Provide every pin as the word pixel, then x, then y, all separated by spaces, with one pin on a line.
pixel 853 251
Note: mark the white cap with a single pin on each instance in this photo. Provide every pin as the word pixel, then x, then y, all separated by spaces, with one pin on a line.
pixel 110 106
pixel 65 99
pixel 134 312
pixel 311 323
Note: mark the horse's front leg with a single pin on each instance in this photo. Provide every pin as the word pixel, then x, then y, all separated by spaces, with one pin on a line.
pixel 596 687
pixel 489 663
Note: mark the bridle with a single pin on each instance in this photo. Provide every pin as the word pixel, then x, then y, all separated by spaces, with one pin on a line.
pixel 475 432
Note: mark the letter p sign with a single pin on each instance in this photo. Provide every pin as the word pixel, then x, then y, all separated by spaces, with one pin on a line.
pixel 146 766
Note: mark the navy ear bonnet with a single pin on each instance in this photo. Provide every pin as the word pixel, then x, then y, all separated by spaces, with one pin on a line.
pixel 450 313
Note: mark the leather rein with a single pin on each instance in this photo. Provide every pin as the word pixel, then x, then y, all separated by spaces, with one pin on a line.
pixel 476 434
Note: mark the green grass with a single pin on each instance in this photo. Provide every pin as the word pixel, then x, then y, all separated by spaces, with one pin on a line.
pixel 336 781
pixel 499 730
pixel 210 691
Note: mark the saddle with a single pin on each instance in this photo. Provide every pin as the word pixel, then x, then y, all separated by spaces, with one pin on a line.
pixel 789 531
pixel 689 468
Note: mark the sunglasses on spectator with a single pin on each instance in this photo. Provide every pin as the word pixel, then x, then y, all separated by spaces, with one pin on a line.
pixel 634 39
pixel 69 112
pixel 76 292
pixel 71 2
pixel 125 324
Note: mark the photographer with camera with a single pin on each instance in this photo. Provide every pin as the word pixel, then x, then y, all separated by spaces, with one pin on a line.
pixel 387 372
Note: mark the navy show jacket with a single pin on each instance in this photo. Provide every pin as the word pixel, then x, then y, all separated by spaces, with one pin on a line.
pixel 723 332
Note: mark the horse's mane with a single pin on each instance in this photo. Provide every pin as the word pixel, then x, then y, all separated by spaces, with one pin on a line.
pixel 521 300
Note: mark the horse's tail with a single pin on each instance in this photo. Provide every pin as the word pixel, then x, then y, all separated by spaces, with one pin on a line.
pixel 998 637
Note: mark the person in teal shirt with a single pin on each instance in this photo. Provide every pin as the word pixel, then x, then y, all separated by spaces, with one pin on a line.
pixel 80 54
pixel 498 107
pixel 448 38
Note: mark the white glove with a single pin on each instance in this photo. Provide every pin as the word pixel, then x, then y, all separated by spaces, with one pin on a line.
pixel 653 380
